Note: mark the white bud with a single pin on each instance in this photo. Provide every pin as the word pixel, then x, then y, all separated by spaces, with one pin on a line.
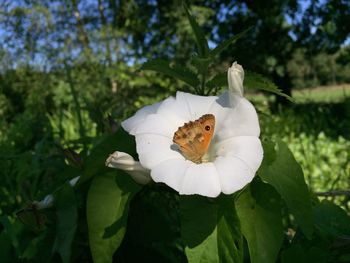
pixel 125 162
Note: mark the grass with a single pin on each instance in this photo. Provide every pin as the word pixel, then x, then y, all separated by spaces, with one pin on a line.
pixel 317 130
pixel 321 94
pixel 327 94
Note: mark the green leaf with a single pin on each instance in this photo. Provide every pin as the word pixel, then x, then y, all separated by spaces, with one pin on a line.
pixel 6 253
pixel 33 247
pixel 201 41
pixel 177 72
pixel 153 228
pixel 11 233
pixel 223 45
pixel 219 80
pixel 67 217
pixel 198 228
pixel 259 211
pixel 257 81
pixel 281 170
pixel 108 143
pixel 210 229
pixel 107 209
pixel 230 240
pixel 331 220
pixel 329 243
pixel 201 64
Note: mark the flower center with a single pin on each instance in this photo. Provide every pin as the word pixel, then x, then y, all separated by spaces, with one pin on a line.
pixel 194 138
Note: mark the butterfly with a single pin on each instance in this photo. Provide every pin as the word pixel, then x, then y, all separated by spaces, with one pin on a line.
pixel 32 217
pixel 194 137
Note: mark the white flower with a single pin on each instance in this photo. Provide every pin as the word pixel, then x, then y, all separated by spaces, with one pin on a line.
pixel 235 152
pixel 125 162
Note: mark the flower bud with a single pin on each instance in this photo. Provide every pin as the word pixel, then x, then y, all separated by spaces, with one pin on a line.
pixel 235 75
pixel 125 162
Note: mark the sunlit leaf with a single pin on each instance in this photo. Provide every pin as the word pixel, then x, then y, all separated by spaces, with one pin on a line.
pixel 178 72
pixel 198 228
pixel 107 209
pixel 258 82
pixel 210 229
pixel 259 211
pixel 201 41
pixel 281 170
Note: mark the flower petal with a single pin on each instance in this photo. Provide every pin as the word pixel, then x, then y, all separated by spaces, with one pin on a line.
pixel 174 110
pixel 154 149
pixel 201 179
pixel 246 148
pixel 196 105
pixel 170 172
pixel 130 124
pixel 126 162
pixel 155 124
pixel 234 174
pixel 172 113
pixel 241 120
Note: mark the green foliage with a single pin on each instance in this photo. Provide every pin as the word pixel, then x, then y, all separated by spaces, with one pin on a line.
pixel 105 145
pixel 258 209
pixel 107 207
pixel 317 134
pixel 329 242
pixel 226 43
pixel 182 73
pixel 201 41
pixel 153 228
pixel 203 61
pixel 259 82
pixel 54 127
pixel 280 170
pixel 218 238
pixel 67 220
pixel 312 70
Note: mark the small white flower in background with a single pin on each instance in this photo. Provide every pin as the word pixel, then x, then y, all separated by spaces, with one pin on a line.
pixel 48 200
pixel 233 157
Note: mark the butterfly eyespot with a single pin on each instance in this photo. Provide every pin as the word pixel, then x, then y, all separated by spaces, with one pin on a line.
pixel 207 128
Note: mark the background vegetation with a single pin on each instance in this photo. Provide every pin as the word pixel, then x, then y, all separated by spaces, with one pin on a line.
pixel 70 72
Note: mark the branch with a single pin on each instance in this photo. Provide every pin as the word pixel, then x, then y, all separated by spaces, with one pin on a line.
pixel 333 193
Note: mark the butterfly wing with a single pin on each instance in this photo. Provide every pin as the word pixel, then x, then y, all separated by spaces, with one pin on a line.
pixel 194 137
pixel 32 218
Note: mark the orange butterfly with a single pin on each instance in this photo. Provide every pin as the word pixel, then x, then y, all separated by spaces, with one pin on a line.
pixel 194 137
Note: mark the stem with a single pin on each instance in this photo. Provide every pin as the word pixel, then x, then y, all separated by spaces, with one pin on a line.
pixel 202 89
